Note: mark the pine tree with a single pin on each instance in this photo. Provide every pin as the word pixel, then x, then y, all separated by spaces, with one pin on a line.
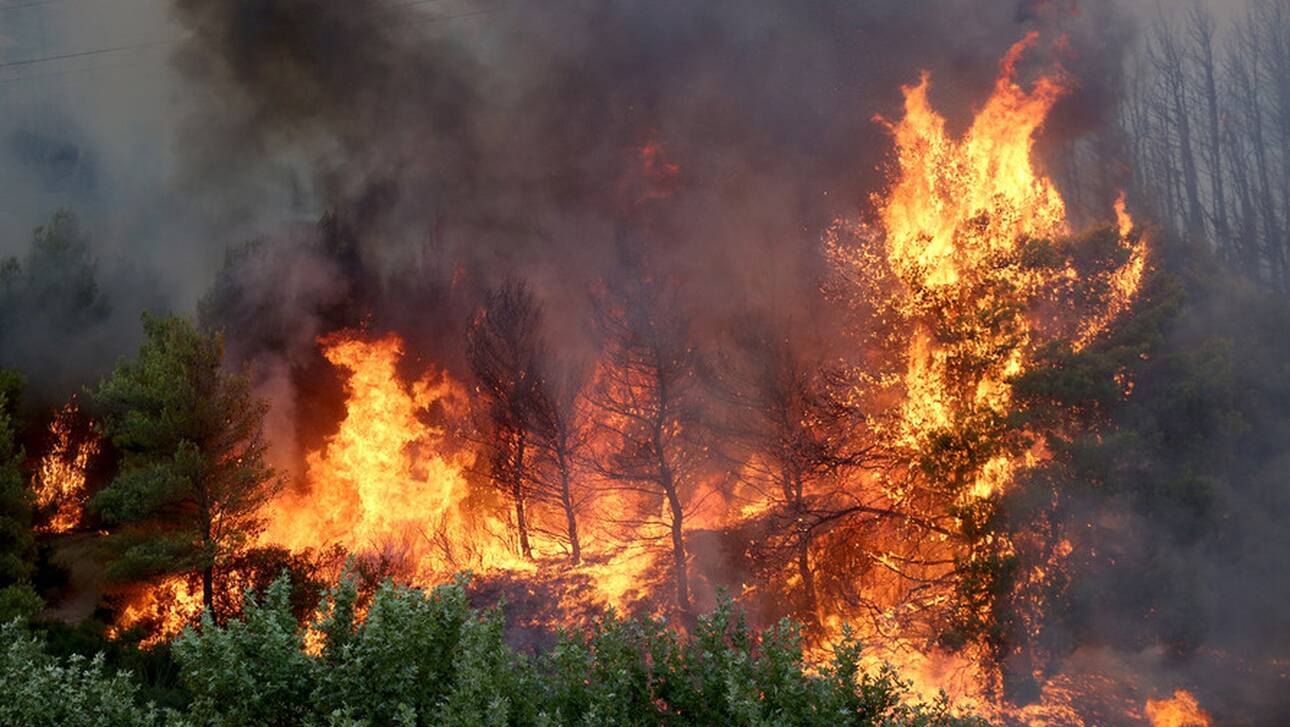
pixel 193 476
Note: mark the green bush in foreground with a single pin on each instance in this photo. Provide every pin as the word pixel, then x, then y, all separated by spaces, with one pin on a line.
pixel 422 658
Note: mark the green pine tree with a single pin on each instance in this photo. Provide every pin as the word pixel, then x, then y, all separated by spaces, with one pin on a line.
pixel 193 476
pixel 17 542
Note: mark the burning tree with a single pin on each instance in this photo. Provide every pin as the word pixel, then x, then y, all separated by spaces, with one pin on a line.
pixel 648 411
pixel 59 480
pixel 970 271
pixel 503 346
pixel 562 430
pixel 793 444
pixel 193 478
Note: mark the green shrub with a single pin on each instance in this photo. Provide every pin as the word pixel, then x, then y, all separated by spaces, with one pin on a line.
pixel 42 690
pixel 427 658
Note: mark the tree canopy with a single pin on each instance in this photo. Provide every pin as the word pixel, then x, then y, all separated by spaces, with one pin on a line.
pixel 193 475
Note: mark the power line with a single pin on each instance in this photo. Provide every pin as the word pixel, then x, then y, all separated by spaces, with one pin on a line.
pixel 76 71
pixel 84 53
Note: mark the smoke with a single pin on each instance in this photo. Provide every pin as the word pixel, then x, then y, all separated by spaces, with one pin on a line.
pixel 445 146
pixel 570 143
pixel 540 139
pixel 487 140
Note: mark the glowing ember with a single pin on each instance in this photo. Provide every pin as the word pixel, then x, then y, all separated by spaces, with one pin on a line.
pixel 1182 710
pixel 59 481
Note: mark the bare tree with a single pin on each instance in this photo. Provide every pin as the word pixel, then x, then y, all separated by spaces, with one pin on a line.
pixel 1273 19
pixel 791 443
pixel 561 429
pixel 503 347
pixel 1167 52
pixel 1202 29
pixel 645 395
pixel 1238 80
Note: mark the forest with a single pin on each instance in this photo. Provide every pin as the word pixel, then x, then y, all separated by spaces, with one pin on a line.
pixel 641 380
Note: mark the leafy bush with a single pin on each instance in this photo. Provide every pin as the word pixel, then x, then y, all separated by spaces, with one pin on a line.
pixel 41 690
pixel 427 658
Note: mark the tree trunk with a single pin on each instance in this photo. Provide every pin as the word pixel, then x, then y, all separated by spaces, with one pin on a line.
pixel 208 589
pixel 808 580
pixel 678 549
pixel 795 490
pixel 517 492
pixel 668 483
pixel 571 520
pixel 1203 33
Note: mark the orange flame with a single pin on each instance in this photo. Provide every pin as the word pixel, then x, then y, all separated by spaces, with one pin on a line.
pixel 955 202
pixel 955 227
pixel 60 477
pixel 386 483
pixel 1182 710
pixel 950 260
pixel 163 609
pixel 960 279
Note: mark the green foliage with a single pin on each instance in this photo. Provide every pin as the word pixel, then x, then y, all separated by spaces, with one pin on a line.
pixel 193 475
pixel 252 671
pixel 56 281
pixel 1165 471
pixel 427 658
pixel 52 310
pixel 642 673
pixel 17 545
pixel 19 601
pixel 59 273
pixel 79 692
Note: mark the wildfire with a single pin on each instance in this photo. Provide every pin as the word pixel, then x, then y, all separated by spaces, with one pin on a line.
pixel 386 484
pixel 957 228
pixel 60 477
pixel 163 609
pixel 968 270
pixel 1182 710
pixel 957 201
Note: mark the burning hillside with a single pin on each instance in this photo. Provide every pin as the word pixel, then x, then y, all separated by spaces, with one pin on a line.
pixel 890 471
pixel 859 358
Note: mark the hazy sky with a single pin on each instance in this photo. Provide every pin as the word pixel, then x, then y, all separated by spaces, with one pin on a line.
pixel 98 131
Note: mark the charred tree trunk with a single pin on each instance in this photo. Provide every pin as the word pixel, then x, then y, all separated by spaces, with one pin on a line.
pixel 1250 80
pixel 502 347
pixel 208 589
pixel 566 502
pixel 667 482
pixel 208 547
pixel 1202 31
pixel 1246 242
pixel 679 567
pixel 1171 65
pixel 1278 55
pixel 808 579
pixel 794 495
pixel 517 493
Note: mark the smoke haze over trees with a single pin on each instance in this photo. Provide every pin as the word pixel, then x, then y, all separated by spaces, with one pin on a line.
pixel 606 220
